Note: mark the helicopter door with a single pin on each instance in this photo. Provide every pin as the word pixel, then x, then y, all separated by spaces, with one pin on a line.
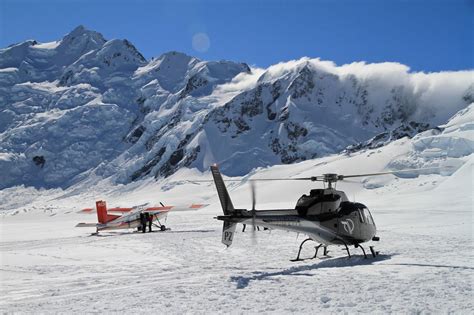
pixel 349 224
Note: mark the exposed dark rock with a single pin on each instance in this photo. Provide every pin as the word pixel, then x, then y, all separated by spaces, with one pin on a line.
pixel 171 165
pixel 176 157
pixel 134 49
pixel 171 124
pixel 136 134
pixel 194 83
pixel 66 78
pixel 284 114
pixel 39 160
pixel 241 125
pixel 192 156
pixel 146 169
pixel 468 96
pixel 409 129
pixel 303 84
pixel 295 131
pixel 271 115
pixel 275 146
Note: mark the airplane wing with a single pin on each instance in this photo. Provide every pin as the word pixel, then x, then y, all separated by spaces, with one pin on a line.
pixel 86 210
pixel 121 210
pixel 155 210
pixel 116 210
pixel 86 225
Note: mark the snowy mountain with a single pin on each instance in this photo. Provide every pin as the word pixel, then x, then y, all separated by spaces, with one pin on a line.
pixel 85 108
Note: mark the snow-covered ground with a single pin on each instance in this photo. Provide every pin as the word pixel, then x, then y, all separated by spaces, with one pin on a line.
pixel 425 225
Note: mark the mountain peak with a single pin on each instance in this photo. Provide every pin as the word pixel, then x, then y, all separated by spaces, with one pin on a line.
pixel 176 56
pixel 83 39
pixel 81 30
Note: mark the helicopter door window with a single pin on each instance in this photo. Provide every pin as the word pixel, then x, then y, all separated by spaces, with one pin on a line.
pixel 368 217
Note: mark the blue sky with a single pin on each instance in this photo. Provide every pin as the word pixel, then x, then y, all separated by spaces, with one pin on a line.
pixel 427 36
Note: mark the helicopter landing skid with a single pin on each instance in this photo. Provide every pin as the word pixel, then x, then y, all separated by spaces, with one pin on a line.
pixel 315 253
pixel 363 250
pixel 374 253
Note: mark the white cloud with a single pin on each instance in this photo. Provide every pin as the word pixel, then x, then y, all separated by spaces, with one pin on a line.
pixel 242 81
pixel 439 92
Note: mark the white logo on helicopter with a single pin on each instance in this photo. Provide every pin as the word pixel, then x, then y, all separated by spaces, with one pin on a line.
pixel 348 225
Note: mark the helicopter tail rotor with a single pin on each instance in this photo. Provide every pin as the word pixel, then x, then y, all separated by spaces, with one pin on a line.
pixel 253 235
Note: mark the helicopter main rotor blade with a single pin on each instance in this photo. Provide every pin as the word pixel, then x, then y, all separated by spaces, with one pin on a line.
pixel 313 178
pixel 324 177
pixel 342 177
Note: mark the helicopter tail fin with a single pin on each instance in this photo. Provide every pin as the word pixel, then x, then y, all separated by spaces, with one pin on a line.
pixel 224 197
pixel 228 228
pixel 228 231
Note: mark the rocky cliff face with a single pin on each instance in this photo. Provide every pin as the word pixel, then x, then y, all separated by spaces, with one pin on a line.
pixel 84 106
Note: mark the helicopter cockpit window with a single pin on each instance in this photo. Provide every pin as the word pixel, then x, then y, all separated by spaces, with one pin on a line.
pixel 367 216
pixel 361 216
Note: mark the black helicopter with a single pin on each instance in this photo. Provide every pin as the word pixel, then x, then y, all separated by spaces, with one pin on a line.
pixel 325 215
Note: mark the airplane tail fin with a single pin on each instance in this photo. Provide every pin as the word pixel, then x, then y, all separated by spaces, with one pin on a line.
pixel 224 197
pixel 228 229
pixel 101 211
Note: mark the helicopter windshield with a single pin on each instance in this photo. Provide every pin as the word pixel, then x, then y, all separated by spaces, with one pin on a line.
pixel 348 207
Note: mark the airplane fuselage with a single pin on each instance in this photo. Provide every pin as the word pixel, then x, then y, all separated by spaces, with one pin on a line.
pixel 127 221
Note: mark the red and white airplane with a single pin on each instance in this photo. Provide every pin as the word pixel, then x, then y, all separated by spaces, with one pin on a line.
pixel 129 218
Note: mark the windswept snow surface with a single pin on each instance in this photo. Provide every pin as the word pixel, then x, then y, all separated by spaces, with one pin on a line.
pixel 424 222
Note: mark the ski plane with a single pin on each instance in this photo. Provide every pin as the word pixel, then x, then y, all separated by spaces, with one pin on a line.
pixel 130 218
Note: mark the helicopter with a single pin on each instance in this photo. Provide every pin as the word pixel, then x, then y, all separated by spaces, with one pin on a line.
pixel 325 215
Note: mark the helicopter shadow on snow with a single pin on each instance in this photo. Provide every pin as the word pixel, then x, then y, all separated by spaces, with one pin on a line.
pixel 340 262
